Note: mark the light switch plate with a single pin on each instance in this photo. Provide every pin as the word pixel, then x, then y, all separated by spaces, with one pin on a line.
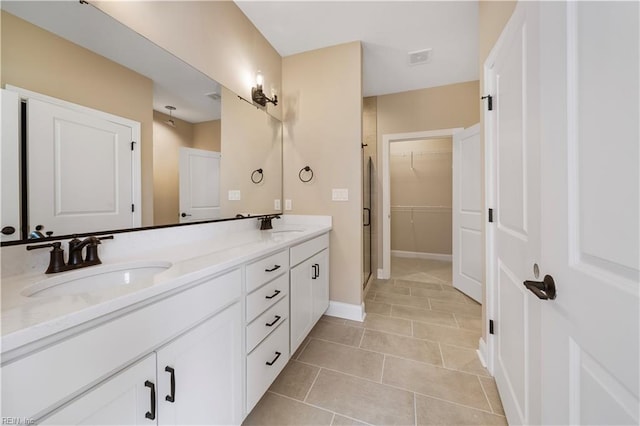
pixel 234 194
pixel 276 204
pixel 340 194
pixel 287 205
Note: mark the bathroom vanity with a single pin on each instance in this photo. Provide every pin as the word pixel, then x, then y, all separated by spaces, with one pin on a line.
pixel 209 317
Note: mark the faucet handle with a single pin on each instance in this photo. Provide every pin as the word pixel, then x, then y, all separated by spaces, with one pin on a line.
pixel 56 259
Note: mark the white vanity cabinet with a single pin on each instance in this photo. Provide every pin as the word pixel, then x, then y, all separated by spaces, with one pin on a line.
pixel 195 379
pixel 101 374
pixel 309 286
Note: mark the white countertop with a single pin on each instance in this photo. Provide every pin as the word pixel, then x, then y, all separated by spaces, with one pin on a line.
pixel 28 319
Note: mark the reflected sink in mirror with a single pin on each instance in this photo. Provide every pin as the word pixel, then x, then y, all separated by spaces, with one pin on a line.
pixel 284 231
pixel 97 278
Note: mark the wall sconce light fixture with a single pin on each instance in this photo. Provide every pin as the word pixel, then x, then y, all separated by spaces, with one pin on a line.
pixel 258 96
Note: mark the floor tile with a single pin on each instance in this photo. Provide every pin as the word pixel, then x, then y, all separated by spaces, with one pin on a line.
pixel 295 380
pixel 462 359
pixel 298 351
pixel 358 362
pixel 469 322
pixel 372 307
pixel 384 323
pixel 363 400
pixel 338 333
pixel 400 299
pixel 334 320
pixel 456 308
pixel 389 288
pixel 405 347
pixel 278 410
pixel 418 284
pixel 490 388
pixel 431 411
pixel 339 420
pixel 445 296
pixel 454 386
pixel 453 336
pixel 426 315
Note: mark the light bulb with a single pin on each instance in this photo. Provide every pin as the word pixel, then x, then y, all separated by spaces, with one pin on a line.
pixel 259 79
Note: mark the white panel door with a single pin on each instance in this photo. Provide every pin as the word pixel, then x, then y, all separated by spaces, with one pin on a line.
pixel 10 156
pixel 206 367
pixel 199 185
pixel 124 399
pixel 468 245
pixel 80 170
pixel 590 196
pixel 513 194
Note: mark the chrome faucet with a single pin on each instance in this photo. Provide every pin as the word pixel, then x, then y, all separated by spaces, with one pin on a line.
pixel 56 261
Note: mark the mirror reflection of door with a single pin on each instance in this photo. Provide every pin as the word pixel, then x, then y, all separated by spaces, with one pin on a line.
pixel 82 169
pixel 199 185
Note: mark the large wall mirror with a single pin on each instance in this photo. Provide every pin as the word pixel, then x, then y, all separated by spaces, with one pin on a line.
pixel 103 130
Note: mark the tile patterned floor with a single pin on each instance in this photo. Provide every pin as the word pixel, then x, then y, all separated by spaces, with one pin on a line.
pixel 411 362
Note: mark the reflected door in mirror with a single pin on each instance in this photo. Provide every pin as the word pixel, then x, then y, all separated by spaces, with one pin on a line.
pixel 199 185
pixel 80 170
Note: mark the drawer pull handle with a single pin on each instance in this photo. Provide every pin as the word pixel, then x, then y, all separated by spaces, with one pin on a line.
pixel 275 359
pixel 151 415
pixel 277 292
pixel 273 269
pixel 316 271
pixel 270 324
pixel 172 397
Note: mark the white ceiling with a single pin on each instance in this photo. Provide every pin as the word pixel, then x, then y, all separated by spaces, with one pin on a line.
pixel 389 30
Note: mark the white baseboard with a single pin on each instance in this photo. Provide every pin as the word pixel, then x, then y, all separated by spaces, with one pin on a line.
pixel 482 352
pixel 420 255
pixel 382 275
pixel 346 311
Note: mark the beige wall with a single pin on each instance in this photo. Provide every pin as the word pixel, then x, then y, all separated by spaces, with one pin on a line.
pixel 213 36
pixel 167 142
pixel 492 17
pixel 442 107
pixel 42 62
pixel 251 140
pixel 323 129
pixel 421 195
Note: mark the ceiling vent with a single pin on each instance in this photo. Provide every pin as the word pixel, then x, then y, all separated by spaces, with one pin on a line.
pixel 420 57
pixel 215 96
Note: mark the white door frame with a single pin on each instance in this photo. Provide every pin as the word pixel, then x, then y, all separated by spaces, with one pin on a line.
pixel 136 170
pixel 385 271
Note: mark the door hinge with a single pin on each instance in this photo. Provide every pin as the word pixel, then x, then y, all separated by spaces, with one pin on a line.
pixel 490 215
pixel 489 99
pixel 133 208
pixel 491 327
pixel 132 145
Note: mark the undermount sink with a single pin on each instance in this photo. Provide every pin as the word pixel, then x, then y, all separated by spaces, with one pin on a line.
pixel 282 231
pixel 96 278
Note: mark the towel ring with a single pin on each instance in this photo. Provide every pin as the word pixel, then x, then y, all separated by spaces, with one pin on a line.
pixel 258 172
pixel 305 169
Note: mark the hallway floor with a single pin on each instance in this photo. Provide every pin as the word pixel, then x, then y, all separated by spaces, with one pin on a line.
pixel 412 362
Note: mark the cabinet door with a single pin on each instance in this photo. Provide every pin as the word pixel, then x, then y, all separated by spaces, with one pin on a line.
pixel 124 399
pixel 301 298
pixel 320 284
pixel 205 365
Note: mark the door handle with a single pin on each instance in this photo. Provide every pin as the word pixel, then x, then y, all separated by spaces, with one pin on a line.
pixel 184 214
pixel 545 289
pixel 8 230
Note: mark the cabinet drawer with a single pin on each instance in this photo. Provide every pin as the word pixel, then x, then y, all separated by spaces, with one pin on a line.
pixel 264 297
pixel 266 269
pixel 267 322
pixel 264 364
pixel 307 249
